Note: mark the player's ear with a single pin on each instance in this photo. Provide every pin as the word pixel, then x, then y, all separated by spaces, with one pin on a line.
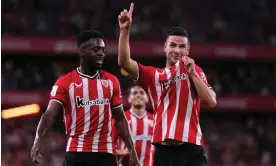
pixel 188 48
pixel 165 44
pixel 81 51
pixel 129 99
pixel 147 98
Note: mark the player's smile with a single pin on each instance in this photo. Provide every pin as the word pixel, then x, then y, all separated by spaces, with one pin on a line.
pixel 99 60
pixel 176 56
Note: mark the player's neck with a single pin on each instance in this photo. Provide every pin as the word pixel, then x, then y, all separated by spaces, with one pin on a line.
pixel 168 65
pixel 138 111
pixel 87 70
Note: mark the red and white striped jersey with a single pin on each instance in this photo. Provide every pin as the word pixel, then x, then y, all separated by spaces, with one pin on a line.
pixel 141 128
pixel 175 102
pixel 87 102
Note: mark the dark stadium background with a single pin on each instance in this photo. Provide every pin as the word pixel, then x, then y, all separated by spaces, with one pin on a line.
pixel 233 41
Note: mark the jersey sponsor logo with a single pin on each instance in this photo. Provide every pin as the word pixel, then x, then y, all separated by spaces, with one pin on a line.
pixel 54 90
pixel 142 137
pixel 167 84
pixel 82 103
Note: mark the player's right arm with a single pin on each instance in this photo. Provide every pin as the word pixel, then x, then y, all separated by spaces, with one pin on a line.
pixel 124 59
pixel 45 123
pixel 55 107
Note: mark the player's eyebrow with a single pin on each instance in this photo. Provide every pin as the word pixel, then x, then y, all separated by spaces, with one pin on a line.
pixel 184 45
pixel 172 43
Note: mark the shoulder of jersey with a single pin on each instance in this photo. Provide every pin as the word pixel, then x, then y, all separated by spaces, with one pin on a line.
pixel 150 67
pixel 150 115
pixel 66 78
pixel 197 67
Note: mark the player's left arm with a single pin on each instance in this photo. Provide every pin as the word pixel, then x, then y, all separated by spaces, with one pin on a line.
pixel 118 152
pixel 122 127
pixel 204 90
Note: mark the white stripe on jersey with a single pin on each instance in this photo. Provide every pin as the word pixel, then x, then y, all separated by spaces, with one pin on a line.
pixel 198 135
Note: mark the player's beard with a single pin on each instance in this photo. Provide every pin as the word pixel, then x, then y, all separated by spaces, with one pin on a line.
pixel 93 65
pixel 171 61
pixel 97 67
pixel 138 106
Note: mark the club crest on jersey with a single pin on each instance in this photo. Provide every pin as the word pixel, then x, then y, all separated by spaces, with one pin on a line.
pixel 105 83
pixel 82 103
pixel 167 84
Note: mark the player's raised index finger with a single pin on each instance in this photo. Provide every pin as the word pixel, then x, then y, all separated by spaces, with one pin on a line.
pixel 131 8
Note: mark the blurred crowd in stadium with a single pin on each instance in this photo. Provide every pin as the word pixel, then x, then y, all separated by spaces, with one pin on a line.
pixel 226 77
pixel 235 21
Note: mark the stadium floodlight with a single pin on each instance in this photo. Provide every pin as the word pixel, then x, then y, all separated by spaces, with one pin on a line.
pixel 20 111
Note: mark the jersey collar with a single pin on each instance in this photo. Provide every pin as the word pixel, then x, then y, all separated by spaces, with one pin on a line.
pixel 85 75
pixel 137 116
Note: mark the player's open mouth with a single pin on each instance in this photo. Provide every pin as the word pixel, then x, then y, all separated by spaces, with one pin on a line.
pixel 99 61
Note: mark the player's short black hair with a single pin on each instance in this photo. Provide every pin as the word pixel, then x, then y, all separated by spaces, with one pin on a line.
pixel 88 34
pixel 132 86
pixel 177 31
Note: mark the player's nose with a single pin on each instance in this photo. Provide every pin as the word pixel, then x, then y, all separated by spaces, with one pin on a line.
pixel 177 50
pixel 100 54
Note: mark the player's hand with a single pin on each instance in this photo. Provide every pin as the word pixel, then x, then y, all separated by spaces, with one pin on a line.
pixel 190 65
pixel 36 151
pixel 124 152
pixel 125 18
pixel 134 161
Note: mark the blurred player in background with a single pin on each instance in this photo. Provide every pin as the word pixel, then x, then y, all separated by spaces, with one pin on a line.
pixel 88 97
pixel 141 124
pixel 177 92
